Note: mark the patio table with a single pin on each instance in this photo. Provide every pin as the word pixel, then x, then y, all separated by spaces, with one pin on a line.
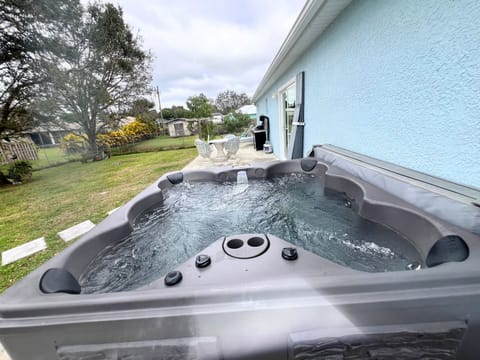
pixel 219 145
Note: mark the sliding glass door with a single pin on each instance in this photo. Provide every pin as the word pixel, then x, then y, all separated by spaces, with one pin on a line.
pixel 288 96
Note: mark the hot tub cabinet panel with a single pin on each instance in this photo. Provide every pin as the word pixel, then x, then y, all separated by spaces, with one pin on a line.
pixel 255 296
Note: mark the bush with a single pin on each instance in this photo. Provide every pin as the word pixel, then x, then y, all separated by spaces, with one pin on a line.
pixel 236 123
pixel 207 130
pixel 72 144
pixel 113 138
pixel 3 179
pixel 133 132
pixel 19 172
pixel 139 129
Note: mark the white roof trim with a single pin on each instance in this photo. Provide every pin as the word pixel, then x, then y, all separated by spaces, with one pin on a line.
pixel 314 18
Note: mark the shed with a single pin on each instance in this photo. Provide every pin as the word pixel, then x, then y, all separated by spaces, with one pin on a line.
pixel 179 127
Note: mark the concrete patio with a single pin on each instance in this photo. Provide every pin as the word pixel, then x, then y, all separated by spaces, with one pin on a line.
pixel 3 353
pixel 245 156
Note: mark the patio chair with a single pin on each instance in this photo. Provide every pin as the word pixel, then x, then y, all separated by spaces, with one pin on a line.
pixel 229 136
pixel 231 146
pixel 204 149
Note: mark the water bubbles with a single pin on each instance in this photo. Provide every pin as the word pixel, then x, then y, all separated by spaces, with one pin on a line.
pixel 370 248
pixel 293 207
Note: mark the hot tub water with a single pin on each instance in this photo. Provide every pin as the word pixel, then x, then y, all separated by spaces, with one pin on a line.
pixel 295 208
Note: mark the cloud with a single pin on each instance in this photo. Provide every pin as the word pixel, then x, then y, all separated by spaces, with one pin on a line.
pixel 211 45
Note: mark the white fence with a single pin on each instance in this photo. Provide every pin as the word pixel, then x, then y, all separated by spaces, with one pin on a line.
pixel 13 151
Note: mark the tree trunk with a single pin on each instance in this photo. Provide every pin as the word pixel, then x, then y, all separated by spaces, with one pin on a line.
pixel 92 133
pixel 92 141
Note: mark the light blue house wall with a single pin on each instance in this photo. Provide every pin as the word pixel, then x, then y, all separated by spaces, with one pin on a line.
pixel 398 81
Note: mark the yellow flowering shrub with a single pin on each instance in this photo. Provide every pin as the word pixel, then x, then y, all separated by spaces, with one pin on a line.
pixel 133 132
pixel 72 144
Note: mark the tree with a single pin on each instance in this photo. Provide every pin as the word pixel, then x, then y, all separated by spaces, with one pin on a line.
pixel 229 101
pixel 143 110
pixel 104 71
pixel 176 112
pixel 236 123
pixel 30 33
pixel 140 106
pixel 200 106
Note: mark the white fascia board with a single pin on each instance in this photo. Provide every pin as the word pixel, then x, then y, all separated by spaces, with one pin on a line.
pixel 314 18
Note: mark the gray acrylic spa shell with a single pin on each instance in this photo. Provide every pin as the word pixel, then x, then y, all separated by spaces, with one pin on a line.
pixel 253 302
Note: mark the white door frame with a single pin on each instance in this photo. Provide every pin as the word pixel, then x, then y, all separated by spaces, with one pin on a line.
pixel 282 119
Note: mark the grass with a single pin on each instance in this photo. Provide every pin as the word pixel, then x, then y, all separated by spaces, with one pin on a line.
pixel 48 157
pixel 62 196
pixel 158 143
pixel 52 156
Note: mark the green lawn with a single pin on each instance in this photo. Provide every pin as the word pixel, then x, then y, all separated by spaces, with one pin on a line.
pixel 48 157
pixel 158 143
pixel 166 141
pixel 62 196
pixel 52 156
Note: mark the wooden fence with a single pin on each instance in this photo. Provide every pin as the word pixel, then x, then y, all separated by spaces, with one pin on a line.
pixel 13 151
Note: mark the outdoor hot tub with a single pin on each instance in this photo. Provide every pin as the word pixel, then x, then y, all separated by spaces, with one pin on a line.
pixel 322 257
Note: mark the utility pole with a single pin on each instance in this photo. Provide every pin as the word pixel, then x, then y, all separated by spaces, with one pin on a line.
pixel 159 106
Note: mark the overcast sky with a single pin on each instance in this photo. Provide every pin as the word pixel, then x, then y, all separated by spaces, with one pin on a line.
pixel 210 45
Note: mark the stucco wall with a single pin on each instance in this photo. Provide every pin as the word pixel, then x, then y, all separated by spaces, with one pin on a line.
pixel 396 80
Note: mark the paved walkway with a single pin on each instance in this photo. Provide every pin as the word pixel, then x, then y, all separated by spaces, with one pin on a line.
pixel 3 353
pixel 245 156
